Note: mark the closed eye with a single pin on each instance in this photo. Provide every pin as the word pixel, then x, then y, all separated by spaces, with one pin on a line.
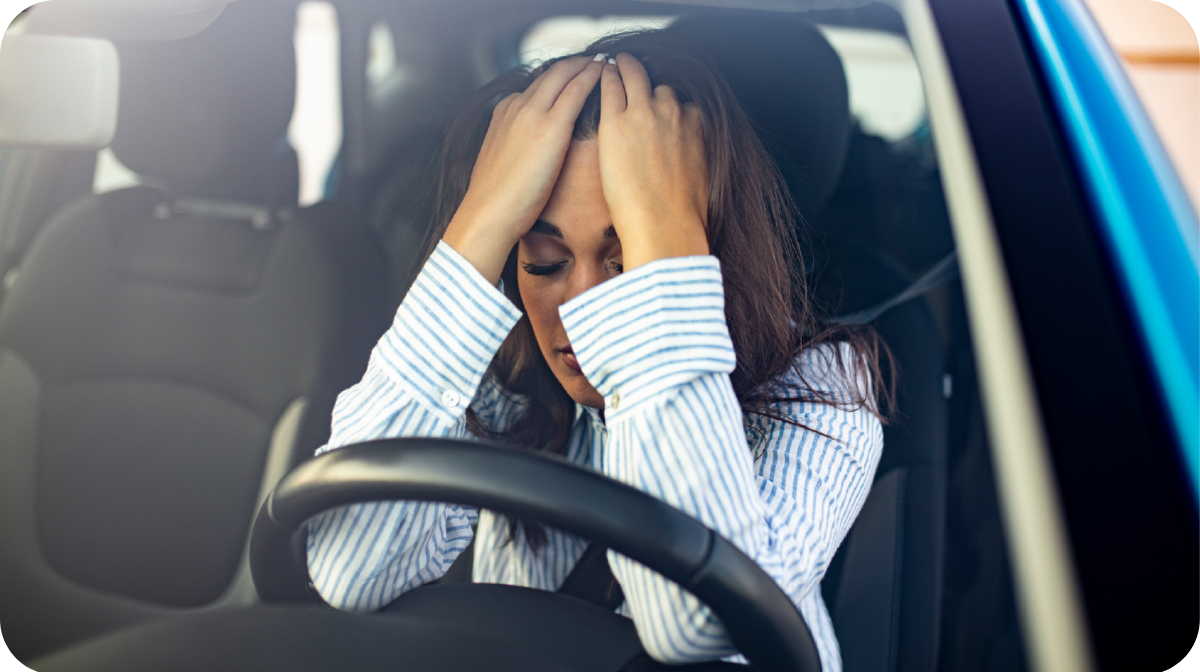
pixel 548 269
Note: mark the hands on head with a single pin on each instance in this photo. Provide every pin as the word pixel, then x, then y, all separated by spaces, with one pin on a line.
pixel 653 168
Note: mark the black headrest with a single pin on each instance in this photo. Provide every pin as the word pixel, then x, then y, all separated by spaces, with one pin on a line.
pixel 209 113
pixel 791 83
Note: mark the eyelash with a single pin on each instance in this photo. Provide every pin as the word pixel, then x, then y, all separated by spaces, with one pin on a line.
pixel 542 270
pixel 551 269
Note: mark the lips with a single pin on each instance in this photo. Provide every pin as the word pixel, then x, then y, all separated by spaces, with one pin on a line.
pixel 568 357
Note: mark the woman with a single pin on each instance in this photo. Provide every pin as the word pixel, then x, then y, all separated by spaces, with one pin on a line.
pixel 651 322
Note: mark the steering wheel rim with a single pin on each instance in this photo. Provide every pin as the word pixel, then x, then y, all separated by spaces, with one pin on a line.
pixel 761 620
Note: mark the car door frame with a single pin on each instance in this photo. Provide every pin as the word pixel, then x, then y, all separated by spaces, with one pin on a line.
pixel 1098 509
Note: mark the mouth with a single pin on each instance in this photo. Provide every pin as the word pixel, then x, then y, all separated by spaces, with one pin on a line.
pixel 568 358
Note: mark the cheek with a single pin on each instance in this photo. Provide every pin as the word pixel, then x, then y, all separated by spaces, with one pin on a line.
pixel 541 299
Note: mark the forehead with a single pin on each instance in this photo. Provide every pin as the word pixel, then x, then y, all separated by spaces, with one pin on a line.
pixel 577 202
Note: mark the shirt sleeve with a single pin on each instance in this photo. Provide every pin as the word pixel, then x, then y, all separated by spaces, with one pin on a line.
pixel 655 344
pixel 420 379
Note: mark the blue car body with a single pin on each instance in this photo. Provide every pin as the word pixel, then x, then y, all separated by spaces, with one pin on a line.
pixel 1141 207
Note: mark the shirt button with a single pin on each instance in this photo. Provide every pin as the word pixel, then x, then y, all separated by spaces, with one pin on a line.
pixel 616 400
pixel 451 398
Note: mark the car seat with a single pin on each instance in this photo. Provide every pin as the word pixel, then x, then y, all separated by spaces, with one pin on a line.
pixel 883 587
pixel 167 352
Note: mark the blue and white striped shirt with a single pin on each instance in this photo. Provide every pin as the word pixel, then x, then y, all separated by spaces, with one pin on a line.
pixel 654 343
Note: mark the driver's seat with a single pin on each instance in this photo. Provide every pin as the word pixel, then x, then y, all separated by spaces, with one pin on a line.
pixel 883 588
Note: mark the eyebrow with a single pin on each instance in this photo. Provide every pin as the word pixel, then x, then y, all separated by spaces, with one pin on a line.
pixel 547 229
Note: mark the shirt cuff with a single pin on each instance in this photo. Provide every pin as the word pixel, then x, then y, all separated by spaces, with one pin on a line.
pixel 446 333
pixel 656 327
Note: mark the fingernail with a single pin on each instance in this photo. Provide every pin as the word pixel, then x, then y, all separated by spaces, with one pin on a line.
pixel 599 57
pixel 613 61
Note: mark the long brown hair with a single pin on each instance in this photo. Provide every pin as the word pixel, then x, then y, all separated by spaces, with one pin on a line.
pixel 753 229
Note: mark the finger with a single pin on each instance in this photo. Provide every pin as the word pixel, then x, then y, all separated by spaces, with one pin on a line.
pixel 693 116
pixel 612 91
pixel 545 90
pixel 576 92
pixel 664 93
pixel 537 81
pixel 635 79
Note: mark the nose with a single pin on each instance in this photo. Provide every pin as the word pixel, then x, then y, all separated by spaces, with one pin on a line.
pixel 583 276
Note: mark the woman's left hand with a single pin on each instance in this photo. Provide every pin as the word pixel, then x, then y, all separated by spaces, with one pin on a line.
pixel 653 167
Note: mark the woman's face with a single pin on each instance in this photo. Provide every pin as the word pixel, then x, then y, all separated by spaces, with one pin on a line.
pixel 572 248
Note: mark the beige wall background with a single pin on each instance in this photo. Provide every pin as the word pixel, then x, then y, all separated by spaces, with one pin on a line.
pixel 1161 55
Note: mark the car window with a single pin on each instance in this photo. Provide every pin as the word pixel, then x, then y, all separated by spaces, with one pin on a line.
pixel 885 85
pixel 381 54
pixel 316 128
pixel 562 35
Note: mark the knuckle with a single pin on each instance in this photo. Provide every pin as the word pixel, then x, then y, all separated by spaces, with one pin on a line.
pixel 504 104
pixel 563 63
pixel 523 116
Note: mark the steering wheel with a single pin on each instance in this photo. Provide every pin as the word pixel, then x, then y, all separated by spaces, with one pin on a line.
pixel 458 627
pixel 761 620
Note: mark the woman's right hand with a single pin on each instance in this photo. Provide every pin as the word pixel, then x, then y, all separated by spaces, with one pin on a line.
pixel 519 162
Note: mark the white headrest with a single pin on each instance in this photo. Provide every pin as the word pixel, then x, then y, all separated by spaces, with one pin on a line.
pixel 58 92
pixel 130 19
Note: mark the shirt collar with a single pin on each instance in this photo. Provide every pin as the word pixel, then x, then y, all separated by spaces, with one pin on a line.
pixel 580 409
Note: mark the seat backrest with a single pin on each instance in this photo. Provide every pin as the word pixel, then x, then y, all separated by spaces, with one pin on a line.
pixel 161 344
pixel 791 83
pixel 883 588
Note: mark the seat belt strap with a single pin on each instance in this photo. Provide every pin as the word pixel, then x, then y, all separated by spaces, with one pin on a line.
pixel 941 273
pixel 463 566
pixel 592 579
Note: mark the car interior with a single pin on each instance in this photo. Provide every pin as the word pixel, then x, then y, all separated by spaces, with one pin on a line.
pixel 169 350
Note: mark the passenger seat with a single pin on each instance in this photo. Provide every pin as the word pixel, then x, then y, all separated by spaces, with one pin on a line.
pixel 168 352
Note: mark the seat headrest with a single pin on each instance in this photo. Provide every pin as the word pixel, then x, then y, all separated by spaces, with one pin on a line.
pixel 791 82
pixel 207 113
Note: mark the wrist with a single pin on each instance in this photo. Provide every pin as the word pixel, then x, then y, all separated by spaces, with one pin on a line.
pixel 663 242
pixel 483 246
